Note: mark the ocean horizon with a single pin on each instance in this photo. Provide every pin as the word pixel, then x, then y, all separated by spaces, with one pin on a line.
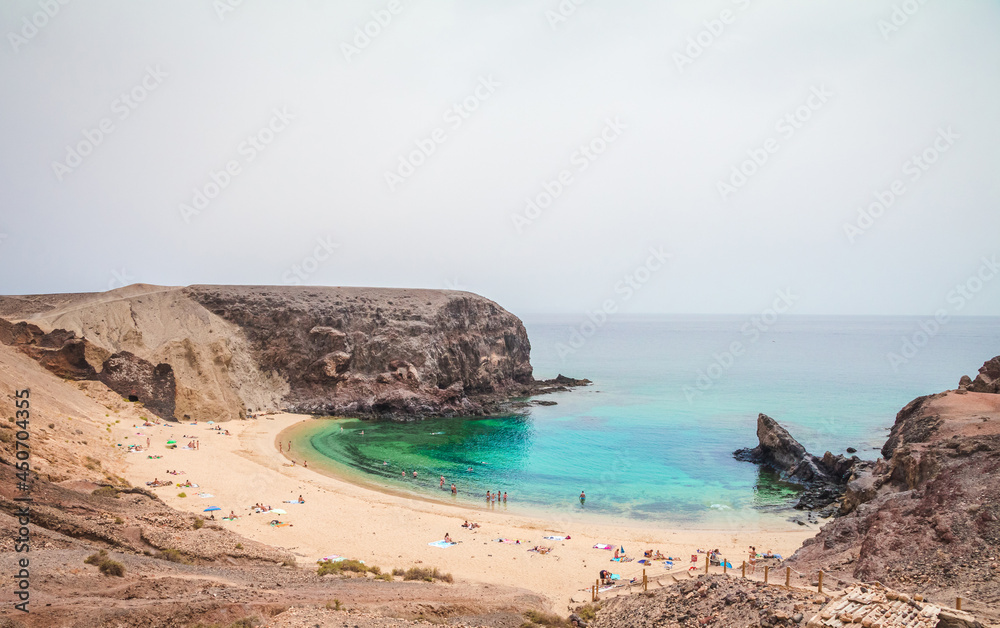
pixel 651 439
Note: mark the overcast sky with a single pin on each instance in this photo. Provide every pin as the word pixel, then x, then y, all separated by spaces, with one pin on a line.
pixel 736 139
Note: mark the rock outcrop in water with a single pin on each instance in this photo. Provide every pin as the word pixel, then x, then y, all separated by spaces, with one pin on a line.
pixel 824 478
pixel 212 352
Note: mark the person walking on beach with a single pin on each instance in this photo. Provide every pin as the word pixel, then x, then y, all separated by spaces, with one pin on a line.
pixel 279 448
pixel 753 559
pixel 147 443
pixel 289 446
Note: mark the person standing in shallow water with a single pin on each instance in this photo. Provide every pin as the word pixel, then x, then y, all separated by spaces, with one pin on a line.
pixel 583 497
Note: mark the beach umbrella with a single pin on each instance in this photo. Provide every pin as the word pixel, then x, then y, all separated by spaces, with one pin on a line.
pixel 278 511
pixel 210 508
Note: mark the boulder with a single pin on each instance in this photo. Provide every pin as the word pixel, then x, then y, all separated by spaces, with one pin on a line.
pixel 988 380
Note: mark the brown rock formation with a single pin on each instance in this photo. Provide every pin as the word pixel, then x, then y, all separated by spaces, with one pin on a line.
pixel 926 519
pixel 69 357
pixel 219 350
pixel 988 380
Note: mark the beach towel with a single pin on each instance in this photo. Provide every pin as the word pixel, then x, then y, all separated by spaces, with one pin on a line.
pixel 603 546
pixel 508 541
pixel 282 525
pixel 441 544
pixel 205 495
pixel 555 538
pixel 332 558
pixel 728 565
pixel 293 501
pixel 616 576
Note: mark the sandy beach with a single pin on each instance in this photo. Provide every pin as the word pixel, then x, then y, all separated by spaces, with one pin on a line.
pixel 391 530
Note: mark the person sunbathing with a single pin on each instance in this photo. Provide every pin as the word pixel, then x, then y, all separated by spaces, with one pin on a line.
pixel 447 538
pixel 466 524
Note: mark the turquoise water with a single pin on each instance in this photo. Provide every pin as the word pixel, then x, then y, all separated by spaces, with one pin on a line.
pixel 647 443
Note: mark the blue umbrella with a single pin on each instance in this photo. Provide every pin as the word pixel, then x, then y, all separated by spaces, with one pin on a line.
pixel 210 508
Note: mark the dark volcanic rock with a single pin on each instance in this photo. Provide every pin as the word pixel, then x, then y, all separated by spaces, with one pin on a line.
pixel 379 352
pixel 131 376
pixel 824 478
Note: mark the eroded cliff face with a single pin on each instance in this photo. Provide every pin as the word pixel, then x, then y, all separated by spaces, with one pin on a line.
pixel 211 352
pixel 384 352
pixel 926 517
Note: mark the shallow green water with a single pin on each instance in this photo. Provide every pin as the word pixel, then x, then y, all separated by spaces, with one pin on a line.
pixel 638 444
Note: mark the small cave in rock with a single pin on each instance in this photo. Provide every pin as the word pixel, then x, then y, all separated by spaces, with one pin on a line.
pixel 133 398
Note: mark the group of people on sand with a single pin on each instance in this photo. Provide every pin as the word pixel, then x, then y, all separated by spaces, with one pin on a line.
pixel 471 526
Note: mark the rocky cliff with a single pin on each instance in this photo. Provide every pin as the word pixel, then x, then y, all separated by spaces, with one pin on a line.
pixel 926 517
pixel 212 352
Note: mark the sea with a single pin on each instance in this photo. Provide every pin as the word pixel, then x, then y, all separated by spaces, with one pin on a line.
pixel 651 440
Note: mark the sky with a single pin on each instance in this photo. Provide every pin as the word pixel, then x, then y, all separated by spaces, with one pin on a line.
pixel 557 157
